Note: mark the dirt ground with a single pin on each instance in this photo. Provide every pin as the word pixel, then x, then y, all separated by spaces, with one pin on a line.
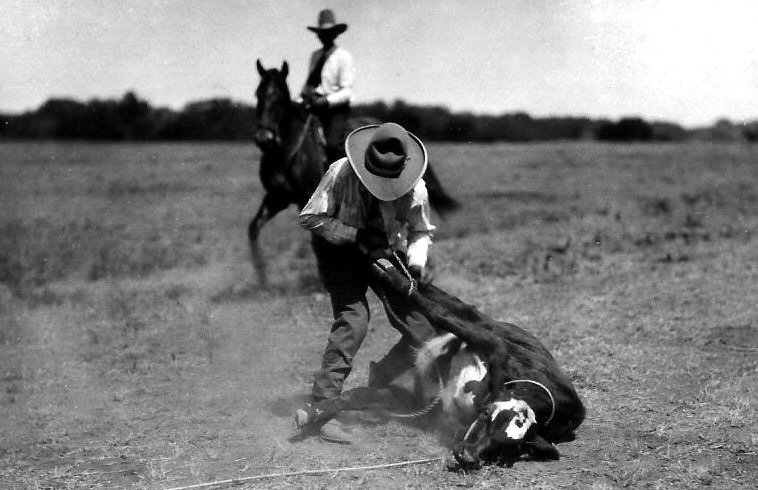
pixel 138 351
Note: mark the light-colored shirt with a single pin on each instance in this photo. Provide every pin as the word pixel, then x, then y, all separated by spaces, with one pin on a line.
pixel 336 77
pixel 338 208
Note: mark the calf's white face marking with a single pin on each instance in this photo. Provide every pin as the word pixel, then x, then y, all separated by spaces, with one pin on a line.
pixel 518 425
pixel 469 367
pixel 465 366
pixel 432 349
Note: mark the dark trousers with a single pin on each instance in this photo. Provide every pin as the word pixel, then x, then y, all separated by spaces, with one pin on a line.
pixel 346 276
pixel 334 120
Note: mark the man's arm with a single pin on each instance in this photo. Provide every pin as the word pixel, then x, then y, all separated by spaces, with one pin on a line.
pixel 420 228
pixel 318 215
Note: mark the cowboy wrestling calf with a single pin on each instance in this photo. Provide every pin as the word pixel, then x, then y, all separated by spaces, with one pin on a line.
pixel 492 377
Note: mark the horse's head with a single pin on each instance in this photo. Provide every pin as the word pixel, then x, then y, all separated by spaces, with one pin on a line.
pixel 272 102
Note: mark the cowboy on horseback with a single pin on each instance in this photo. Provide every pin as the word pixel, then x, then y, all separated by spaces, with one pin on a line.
pixel 329 88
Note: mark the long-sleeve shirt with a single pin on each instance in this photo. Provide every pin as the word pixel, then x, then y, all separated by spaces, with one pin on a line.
pixel 339 207
pixel 337 75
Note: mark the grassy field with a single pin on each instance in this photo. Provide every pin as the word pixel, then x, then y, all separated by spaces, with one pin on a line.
pixel 137 350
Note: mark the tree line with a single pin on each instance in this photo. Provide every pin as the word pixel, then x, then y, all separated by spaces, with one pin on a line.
pixel 133 119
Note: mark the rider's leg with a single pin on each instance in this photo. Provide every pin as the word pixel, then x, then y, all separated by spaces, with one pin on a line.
pixel 335 123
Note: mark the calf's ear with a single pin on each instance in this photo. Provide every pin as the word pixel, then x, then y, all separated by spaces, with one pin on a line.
pixel 471 387
pixel 541 450
pixel 479 390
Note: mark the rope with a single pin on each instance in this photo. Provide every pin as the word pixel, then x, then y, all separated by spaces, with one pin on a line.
pixel 300 140
pixel 470 428
pixel 237 481
pixel 737 348
pixel 552 400
pixel 423 411
pixel 412 286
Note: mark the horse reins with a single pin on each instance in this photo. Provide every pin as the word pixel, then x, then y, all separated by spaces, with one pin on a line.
pixel 299 142
pixel 300 139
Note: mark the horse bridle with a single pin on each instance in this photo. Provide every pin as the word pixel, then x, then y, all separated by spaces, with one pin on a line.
pixel 268 133
pixel 277 140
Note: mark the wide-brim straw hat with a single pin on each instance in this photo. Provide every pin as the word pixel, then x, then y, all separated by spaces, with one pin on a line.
pixel 327 22
pixel 388 160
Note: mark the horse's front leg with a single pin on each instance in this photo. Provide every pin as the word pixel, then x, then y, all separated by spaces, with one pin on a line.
pixel 269 208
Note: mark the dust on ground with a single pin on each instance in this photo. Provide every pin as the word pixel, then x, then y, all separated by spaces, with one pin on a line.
pixel 137 350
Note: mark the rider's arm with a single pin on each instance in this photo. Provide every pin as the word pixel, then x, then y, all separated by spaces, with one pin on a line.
pixel 318 216
pixel 307 91
pixel 340 73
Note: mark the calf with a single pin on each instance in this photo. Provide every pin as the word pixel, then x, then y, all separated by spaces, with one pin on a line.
pixel 493 377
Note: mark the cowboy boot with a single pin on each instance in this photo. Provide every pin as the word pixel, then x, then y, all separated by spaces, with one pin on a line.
pixel 305 422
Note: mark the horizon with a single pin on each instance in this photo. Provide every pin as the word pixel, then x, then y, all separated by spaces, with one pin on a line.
pixel 688 63
pixel 390 103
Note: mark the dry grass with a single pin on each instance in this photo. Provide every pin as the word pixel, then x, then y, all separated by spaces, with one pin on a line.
pixel 136 349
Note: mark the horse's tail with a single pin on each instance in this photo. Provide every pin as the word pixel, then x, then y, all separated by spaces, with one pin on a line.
pixel 439 199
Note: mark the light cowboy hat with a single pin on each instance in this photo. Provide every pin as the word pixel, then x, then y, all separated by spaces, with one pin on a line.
pixel 328 23
pixel 388 160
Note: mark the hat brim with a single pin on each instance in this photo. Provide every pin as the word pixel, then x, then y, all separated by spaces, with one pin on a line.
pixel 384 188
pixel 336 29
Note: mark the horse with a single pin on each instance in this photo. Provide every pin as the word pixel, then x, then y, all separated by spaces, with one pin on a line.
pixel 293 157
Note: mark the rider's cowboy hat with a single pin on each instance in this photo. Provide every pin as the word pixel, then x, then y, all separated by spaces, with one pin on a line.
pixel 388 160
pixel 328 23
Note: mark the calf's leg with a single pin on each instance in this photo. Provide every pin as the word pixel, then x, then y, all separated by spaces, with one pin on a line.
pixel 363 398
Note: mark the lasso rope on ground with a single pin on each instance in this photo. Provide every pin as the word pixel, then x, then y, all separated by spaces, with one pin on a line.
pixel 237 481
pixel 423 411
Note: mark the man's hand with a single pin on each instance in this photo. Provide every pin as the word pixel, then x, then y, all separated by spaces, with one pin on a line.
pixel 319 102
pixel 374 242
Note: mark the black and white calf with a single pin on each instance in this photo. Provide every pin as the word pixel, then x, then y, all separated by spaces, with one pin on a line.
pixel 493 377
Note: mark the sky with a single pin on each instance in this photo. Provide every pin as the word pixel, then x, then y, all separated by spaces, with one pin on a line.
pixel 686 61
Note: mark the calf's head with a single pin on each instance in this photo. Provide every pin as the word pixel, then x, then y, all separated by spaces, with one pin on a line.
pixel 502 433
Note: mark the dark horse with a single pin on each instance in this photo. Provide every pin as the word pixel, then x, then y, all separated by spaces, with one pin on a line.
pixel 293 156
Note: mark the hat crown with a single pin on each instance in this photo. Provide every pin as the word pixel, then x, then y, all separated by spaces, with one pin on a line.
pixel 327 23
pixel 387 151
pixel 326 19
